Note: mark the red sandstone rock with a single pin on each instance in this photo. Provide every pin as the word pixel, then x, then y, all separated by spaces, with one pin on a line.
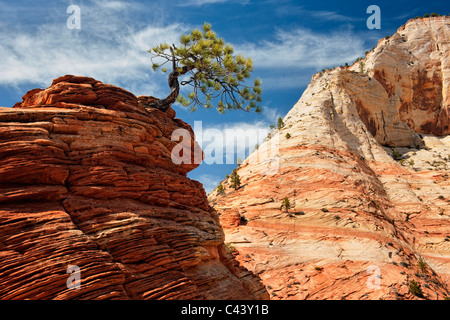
pixel 86 179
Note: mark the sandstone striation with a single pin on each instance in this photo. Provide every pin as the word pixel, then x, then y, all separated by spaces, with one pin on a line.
pixel 86 179
pixel 362 225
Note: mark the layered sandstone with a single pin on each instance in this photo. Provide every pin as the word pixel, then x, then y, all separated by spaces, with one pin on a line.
pixel 86 179
pixel 359 221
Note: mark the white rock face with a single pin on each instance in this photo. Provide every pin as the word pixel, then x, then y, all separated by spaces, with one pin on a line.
pixel 353 206
pixel 412 73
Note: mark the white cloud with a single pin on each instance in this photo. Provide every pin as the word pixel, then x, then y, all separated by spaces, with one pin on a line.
pixel 109 47
pixel 199 2
pixel 112 47
pixel 209 181
pixel 271 114
pixel 196 3
pixel 291 9
pixel 225 143
pixel 301 49
pixel 330 16
pixel 296 79
pixel 113 5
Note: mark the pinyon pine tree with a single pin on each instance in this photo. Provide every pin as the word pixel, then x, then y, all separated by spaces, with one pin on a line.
pixel 280 123
pixel 211 68
pixel 235 180
pixel 220 189
pixel 286 204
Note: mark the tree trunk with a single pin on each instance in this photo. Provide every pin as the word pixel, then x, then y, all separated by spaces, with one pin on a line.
pixel 164 104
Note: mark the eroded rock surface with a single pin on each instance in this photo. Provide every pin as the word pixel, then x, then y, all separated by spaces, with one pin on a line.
pixel 360 222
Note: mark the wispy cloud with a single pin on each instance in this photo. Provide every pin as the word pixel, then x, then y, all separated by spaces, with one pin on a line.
pixel 199 2
pixel 115 5
pixel 407 15
pixel 112 47
pixel 330 16
pixel 225 143
pixel 290 58
pixel 209 181
pixel 196 3
pixel 290 9
pixel 302 48
pixel 271 114
pixel 108 47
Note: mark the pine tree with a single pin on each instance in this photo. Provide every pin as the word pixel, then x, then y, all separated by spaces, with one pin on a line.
pixel 235 180
pixel 361 66
pixel 280 123
pixel 220 189
pixel 396 155
pixel 416 289
pixel 211 68
pixel 422 265
pixel 286 204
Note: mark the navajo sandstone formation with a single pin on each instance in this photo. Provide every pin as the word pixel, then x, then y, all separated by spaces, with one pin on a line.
pixel 86 180
pixel 359 220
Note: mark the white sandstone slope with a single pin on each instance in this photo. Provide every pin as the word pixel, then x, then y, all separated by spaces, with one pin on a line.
pixel 356 212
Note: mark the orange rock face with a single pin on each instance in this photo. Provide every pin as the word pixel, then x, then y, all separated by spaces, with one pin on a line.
pixel 360 225
pixel 86 180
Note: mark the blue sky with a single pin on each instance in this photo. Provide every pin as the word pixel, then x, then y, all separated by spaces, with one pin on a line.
pixel 288 40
